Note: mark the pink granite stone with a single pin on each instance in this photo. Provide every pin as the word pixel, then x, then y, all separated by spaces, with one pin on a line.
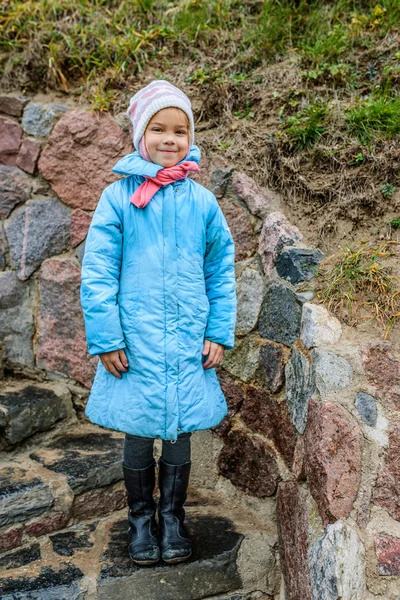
pixel 246 188
pixel 276 233
pixel 80 223
pixel 383 371
pixel 28 156
pixel 10 140
pixel 61 343
pixel 332 459
pixel 388 555
pixel 386 493
pixel 81 151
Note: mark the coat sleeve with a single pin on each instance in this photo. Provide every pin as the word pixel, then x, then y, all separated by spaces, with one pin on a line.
pixel 219 273
pixel 100 278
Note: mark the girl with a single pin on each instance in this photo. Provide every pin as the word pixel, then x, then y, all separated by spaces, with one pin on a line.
pixel 158 295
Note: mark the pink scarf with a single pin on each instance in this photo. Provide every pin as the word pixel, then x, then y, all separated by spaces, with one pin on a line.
pixel 144 193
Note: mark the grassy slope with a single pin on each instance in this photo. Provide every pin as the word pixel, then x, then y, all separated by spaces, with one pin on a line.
pixel 302 95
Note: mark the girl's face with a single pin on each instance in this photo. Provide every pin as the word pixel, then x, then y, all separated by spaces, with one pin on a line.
pixel 167 137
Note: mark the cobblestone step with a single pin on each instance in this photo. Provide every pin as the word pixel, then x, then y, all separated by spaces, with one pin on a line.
pixel 74 477
pixel 89 561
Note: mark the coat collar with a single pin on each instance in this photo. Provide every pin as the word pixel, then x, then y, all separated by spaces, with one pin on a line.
pixel 134 164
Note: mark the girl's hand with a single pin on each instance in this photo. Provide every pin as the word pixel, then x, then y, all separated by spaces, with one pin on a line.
pixel 215 354
pixel 114 362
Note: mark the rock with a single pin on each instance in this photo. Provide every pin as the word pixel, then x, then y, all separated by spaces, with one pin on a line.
pixel 306 296
pixel 332 372
pixel 298 264
pixel 220 180
pixel 52 521
pixel 299 388
pixel 61 583
pixel 30 409
pixel 332 459
pixel 15 188
pixel 3 248
pixel 80 222
pixel 80 251
pixel 80 153
pixel 28 156
pixel 89 460
pixel 242 360
pixel 22 495
pixel 248 463
pixel 36 231
pixel 272 363
pixel 280 315
pixel 10 140
pixel 293 525
pixel 13 106
pixel 96 503
pixel 366 406
pixel 61 344
pixel 16 319
pixel 247 190
pixel 276 233
pixel 10 538
pixel 386 493
pixel 39 120
pixel 318 326
pixel 249 297
pixel 239 222
pixel 388 555
pixel 382 370
pixel 20 558
pixel 234 392
pixel 337 565
pixel 80 536
pixel 211 569
pixel 271 418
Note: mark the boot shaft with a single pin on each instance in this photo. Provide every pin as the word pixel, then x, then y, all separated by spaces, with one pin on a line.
pixel 173 481
pixel 140 485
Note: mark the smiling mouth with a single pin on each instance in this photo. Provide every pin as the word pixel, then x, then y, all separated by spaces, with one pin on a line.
pixel 169 151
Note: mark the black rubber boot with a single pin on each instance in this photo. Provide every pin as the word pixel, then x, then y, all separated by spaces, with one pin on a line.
pixel 174 539
pixel 142 534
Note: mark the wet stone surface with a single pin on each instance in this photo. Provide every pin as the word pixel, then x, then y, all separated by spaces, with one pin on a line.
pixel 29 410
pixel 20 558
pixel 296 264
pixel 89 460
pixel 22 496
pixel 50 584
pixel 68 542
pixel 210 570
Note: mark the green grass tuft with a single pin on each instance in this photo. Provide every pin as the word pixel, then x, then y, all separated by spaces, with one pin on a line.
pixel 374 119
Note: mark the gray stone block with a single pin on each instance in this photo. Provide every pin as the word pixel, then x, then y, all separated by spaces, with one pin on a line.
pixel 299 388
pixel 298 264
pixel 36 231
pixel 22 497
pixel 332 372
pixel 16 319
pixel 31 409
pixel 89 460
pixel 249 298
pixel 50 584
pixel 366 406
pixel 280 316
pixel 39 120
pixel 15 188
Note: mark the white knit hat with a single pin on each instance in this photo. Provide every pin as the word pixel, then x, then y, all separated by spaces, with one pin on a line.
pixel 147 102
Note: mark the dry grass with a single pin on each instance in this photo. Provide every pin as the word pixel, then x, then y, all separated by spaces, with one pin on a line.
pixel 358 284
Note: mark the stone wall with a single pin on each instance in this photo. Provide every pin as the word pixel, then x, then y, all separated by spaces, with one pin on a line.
pixel 311 441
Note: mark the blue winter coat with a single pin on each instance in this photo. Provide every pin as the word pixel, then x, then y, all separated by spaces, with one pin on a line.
pixel 157 282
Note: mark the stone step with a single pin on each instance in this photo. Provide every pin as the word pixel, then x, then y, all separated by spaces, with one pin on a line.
pixel 74 477
pixel 89 561
pixel 30 408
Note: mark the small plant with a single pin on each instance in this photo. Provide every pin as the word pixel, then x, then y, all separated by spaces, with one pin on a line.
pixel 246 112
pixel 225 145
pixel 388 189
pixel 375 119
pixel 395 223
pixel 355 284
pixel 358 159
pixel 306 128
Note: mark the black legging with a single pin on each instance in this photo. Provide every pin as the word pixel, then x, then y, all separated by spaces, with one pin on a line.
pixel 138 451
